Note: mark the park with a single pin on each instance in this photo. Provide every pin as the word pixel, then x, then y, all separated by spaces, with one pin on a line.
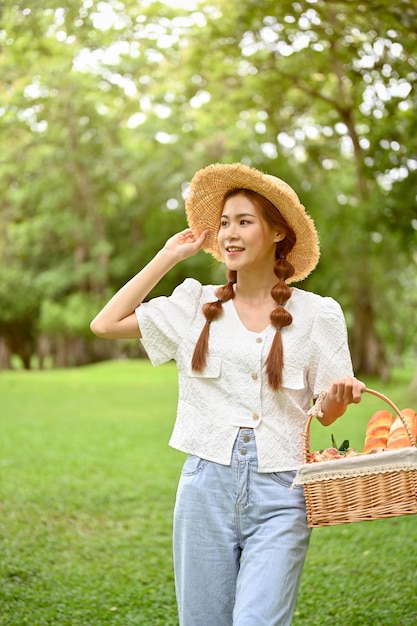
pixel 107 110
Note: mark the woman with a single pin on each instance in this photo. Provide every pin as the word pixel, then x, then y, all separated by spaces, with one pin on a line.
pixel 252 356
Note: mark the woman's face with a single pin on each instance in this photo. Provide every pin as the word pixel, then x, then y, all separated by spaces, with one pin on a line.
pixel 246 240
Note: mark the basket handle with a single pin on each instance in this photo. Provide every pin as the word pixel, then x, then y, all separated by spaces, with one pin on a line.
pixel 306 433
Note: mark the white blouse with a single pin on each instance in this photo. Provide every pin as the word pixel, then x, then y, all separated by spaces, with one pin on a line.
pixel 233 392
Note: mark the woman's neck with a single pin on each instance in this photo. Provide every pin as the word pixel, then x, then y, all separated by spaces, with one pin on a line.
pixel 254 293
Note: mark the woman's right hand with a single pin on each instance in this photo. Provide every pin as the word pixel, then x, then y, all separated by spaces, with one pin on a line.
pixel 184 244
pixel 117 319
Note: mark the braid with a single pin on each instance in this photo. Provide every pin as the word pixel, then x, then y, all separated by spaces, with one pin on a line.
pixel 211 311
pixel 280 318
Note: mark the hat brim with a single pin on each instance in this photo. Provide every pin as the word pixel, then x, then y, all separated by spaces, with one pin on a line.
pixel 204 205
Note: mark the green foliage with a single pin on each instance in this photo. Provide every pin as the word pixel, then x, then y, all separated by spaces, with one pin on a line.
pixel 70 316
pixel 108 109
pixel 86 499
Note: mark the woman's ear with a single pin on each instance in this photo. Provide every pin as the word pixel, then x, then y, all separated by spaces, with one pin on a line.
pixel 279 237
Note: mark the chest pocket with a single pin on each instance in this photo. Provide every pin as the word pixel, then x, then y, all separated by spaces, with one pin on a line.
pixel 212 369
pixel 293 378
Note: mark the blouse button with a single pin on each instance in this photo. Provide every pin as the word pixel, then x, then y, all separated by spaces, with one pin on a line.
pixel 259 340
pixel 255 376
pixel 255 416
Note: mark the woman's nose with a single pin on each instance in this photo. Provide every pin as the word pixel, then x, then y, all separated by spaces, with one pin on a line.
pixel 232 230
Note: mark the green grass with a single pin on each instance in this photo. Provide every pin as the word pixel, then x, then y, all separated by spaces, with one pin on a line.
pixel 87 488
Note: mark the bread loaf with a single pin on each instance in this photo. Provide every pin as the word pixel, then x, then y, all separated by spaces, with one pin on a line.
pixel 398 437
pixel 378 431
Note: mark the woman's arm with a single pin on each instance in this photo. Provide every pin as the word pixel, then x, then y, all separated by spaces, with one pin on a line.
pixel 117 319
pixel 342 393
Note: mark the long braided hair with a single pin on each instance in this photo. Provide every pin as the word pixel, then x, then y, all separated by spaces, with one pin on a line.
pixel 280 292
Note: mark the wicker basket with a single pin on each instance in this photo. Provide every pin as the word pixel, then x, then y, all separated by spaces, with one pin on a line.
pixel 389 491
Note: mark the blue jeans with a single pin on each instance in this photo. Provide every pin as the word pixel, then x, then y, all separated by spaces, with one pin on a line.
pixel 240 540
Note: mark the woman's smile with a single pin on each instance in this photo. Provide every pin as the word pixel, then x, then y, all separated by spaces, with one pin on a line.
pixel 234 250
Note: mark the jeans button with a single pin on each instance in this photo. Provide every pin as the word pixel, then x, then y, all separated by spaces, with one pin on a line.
pixel 246 438
pixel 243 451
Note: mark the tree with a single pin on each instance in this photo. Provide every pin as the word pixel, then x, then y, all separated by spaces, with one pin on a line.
pixel 109 109
pixel 84 206
pixel 335 83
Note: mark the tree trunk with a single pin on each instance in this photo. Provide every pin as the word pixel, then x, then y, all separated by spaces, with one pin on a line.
pixel 5 355
pixel 368 352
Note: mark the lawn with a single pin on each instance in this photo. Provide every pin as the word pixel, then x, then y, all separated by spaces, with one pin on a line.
pixel 87 488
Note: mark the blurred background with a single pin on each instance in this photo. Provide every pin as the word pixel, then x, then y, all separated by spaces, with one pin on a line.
pixel 108 108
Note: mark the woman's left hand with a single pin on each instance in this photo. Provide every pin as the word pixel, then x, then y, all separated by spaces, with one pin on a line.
pixel 341 393
pixel 346 391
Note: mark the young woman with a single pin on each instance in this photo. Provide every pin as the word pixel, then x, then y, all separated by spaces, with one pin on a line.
pixel 252 357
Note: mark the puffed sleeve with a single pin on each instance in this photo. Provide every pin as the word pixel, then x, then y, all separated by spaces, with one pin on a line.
pixel 164 321
pixel 330 356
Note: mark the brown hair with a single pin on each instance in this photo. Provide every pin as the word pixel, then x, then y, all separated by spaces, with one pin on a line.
pixel 280 292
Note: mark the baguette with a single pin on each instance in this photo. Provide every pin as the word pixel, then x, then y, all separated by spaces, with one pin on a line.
pixel 378 431
pixel 398 437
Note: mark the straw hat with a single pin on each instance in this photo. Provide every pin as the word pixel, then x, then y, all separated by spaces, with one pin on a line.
pixel 205 202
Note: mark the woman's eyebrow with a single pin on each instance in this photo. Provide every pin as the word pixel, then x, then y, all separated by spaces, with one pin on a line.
pixel 239 215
